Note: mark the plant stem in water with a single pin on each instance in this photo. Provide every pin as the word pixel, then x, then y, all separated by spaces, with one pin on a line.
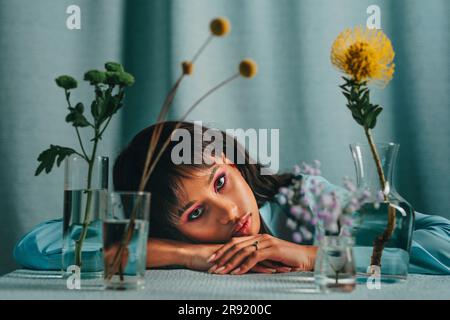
pixel 381 240
pixel 86 221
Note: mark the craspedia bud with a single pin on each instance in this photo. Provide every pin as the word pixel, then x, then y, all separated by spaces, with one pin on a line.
pixel 113 67
pixel 95 76
pixel 188 67
pixel 220 26
pixel 66 82
pixel 248 68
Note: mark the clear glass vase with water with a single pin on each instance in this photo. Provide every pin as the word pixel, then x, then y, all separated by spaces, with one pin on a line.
pixel 371 220
pixel 83 211
pixel 125 235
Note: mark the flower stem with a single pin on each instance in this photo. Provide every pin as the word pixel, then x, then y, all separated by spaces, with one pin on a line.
pixel 381 240
pixel 76 128
pixel 86 221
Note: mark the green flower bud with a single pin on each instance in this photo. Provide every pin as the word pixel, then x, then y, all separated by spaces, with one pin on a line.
pixel 112 78
pixel 119 78
pixel 66 82
pixel 126 79
pixel 113 67
pixel 95 77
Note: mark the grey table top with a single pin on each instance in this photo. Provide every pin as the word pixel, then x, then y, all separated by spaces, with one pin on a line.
pixel 182 284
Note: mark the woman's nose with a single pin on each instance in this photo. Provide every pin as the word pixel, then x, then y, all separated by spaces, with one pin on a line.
pixel 228 212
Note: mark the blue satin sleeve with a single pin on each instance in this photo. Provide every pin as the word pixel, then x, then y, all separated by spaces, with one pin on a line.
pixel 41 248
pixel 430 248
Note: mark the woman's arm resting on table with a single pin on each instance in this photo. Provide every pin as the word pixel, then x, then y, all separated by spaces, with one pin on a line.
pixel 166 252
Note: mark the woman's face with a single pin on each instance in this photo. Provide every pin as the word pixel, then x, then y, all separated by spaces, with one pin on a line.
pixel 218 205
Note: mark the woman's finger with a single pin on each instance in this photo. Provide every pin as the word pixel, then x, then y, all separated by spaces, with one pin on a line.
pixel 276 265
pixel 237 259
pixel 261 269
pixel 238 247
pixel 226 247
pixel 253 259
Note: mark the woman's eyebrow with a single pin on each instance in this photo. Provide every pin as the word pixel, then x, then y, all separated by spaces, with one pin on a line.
pixel 190 203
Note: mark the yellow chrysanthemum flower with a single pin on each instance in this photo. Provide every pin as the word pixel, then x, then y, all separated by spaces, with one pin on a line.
pixel 364 54
pixel 220 27
pixel 248 68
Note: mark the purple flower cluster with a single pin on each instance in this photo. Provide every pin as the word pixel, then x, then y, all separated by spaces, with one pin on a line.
pixel 311 207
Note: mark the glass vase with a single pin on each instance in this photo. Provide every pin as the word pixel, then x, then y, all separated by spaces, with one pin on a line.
pixel 85 201
pixel 125 235
pixel 393 217
pixel 334 269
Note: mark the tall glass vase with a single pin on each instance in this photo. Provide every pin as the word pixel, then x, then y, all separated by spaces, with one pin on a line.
pixel 85 203
pixel 392 219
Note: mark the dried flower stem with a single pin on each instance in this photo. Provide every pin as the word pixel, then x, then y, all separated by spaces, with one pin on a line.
pixel 200 50
pixel 158 129
pixel 210 91
pixel 151 161
pixel 166 143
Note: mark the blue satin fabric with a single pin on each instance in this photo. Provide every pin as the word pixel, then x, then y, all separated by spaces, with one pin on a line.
pixel 430 249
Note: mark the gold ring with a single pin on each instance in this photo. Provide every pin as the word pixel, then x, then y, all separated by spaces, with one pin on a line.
pixel 255 244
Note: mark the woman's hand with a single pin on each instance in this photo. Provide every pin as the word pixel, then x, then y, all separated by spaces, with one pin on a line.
pixel 196 255
pixel 240 255
pixel 197 258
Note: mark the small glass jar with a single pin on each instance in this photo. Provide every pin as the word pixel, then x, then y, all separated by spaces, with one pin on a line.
pixel 335 269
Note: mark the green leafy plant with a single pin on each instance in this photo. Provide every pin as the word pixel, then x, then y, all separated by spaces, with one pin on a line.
pixel 109 92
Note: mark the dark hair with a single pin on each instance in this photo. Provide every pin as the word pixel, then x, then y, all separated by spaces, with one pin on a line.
pixel 164 183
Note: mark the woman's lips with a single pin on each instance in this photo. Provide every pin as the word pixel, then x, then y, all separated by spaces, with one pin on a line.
pixel 244 226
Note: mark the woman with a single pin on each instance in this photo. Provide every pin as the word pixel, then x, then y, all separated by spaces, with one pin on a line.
pixel 220 216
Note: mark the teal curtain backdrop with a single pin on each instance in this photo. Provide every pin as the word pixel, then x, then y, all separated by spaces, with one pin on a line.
pixel 295 91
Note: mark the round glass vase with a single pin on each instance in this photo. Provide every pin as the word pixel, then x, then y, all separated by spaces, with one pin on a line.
pixel 385 227
pixel 334 269
pixel 85 203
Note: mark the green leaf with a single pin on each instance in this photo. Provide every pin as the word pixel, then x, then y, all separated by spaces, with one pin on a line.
pixel 47 158
pixel 77 119
pixel 94 109
pixel 80 121
pixel 371 118
pixel 79 107
pixel 358 119
pixel 347 95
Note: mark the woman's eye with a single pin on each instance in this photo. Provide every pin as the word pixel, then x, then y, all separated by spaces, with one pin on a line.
pixel 220 182
pixel 195 214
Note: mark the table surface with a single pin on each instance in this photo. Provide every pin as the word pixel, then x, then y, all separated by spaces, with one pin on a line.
pixel 183 284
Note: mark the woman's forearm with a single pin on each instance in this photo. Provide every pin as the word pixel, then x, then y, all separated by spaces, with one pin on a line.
pixel 165 252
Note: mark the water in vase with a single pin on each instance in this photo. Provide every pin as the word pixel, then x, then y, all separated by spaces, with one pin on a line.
pixel 76 204
pixel 369 224
pixel 131 271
